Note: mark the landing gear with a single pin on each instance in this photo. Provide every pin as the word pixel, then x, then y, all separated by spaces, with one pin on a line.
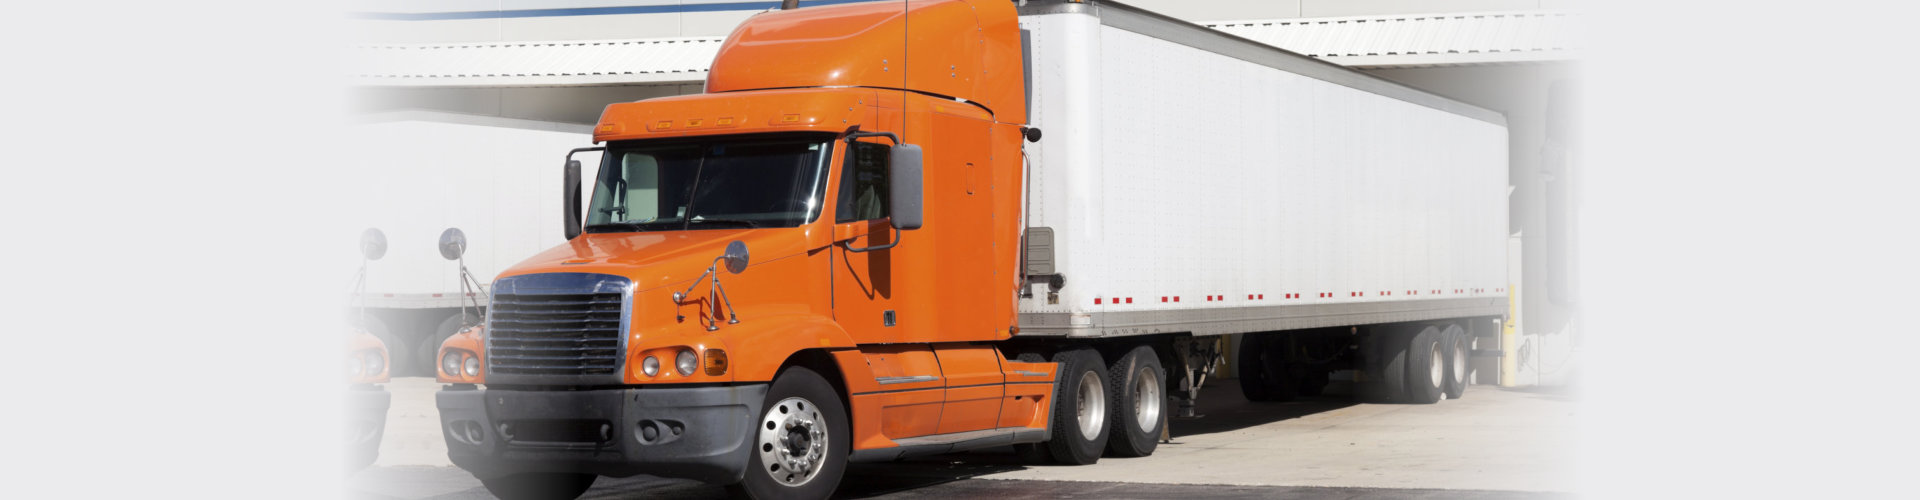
pixel 801 442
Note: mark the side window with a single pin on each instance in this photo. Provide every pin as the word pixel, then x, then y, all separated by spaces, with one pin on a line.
pixel 863 184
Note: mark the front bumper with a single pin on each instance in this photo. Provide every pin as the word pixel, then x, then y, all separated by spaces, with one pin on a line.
pixel 366 423
pixel 699 433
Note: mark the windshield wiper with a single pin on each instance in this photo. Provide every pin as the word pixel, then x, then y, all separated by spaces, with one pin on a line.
pixel 745 222
pixel 631 226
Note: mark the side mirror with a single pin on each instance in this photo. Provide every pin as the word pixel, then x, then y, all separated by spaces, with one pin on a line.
pixel 736 257
pixel 373 244
pixel 453 243
pixel 570 198
pixel 904 191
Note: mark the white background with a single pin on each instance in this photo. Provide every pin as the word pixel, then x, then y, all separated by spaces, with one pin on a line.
pixel 173 214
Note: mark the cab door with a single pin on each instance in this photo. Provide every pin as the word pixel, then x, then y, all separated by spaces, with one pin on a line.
pixel 865 291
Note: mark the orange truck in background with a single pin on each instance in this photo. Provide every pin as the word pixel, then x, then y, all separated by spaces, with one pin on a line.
pixel 837 253
pixel 368 365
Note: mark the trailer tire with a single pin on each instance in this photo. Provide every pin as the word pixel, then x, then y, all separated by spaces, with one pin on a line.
pixel 800 397
pixel 1079 420
pixel 1458 359
pixel 1390 346
pixel 1263 377
pixel 1139 396
pixel 1426 367
pixel 540 486
pixel 429 356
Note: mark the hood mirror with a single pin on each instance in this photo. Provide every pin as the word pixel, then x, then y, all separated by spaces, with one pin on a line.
pixel 373 244
pixel 736 257
pixel 453 243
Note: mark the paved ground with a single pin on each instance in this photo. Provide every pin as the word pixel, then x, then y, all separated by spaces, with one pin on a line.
pixel 1493 443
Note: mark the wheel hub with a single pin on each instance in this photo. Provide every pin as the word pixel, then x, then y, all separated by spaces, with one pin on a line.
pixel 793 441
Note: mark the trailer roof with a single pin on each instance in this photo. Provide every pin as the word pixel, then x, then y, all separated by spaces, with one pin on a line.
pixel 1156 25
pixel 1418 41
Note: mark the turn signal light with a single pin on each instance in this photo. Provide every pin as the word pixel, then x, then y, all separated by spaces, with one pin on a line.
pixel 716 362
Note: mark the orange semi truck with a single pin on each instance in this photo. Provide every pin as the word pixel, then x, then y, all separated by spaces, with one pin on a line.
pixel 857 245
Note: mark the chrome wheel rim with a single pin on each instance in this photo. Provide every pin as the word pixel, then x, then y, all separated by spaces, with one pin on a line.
pixel 1460 361
pixel 1439 367
pixel 1091 403
pixel 1146 398
pixel 793 441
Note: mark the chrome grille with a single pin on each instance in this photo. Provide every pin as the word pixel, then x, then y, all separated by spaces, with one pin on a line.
pixel 555 327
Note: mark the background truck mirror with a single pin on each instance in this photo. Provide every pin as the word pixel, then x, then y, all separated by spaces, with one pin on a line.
pixel 904 188
pixel 570 198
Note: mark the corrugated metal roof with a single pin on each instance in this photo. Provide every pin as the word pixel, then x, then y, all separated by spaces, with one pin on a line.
pixel 1360 41
pixel 494 64
pixel 1419 40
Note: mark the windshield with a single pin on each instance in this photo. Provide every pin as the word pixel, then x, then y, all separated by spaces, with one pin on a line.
pixel 710 183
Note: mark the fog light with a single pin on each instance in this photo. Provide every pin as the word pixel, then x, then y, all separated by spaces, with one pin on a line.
pixel 450 364
pixel 473 366
pixel 650 367
pixel 686 362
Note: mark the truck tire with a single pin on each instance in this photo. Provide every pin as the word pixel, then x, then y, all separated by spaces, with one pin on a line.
pixel 429 349
pixel 1079 420
pixel 1139 396
pixel 539 486
pixel 801 441
pixel 1426 367
pixel 1263 377
pixel 398 364
pixel 1458 359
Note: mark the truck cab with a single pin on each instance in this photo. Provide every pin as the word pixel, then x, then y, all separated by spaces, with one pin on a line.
pixel 813 262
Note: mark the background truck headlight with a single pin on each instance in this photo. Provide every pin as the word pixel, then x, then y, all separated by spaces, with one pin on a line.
pixel 353 366
pixel 686 362
pixel 373 364
pixel 451 364
pixel 651 366
pixel 473 366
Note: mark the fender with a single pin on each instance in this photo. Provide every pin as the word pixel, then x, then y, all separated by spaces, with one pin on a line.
pixel 467 343
pixel 760 346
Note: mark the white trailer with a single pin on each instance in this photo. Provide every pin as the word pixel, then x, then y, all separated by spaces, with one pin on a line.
pixel 435 171
pixel 1195 184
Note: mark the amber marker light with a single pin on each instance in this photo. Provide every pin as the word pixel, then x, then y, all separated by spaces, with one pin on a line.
pixel 716 362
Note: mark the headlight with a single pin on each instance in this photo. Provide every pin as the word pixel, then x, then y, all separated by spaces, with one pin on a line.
pixel 650 367
pixel 374 364
pixel 353 366
pixel 450 364
pixel 686 362
pixel 473 366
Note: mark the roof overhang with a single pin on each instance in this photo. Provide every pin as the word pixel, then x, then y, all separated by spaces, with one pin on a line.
pixel 1364 42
